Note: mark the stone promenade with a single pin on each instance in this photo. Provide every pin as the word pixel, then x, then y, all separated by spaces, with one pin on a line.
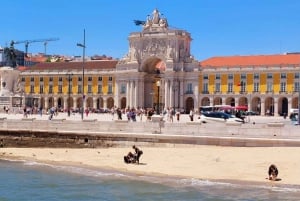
pixel 104 128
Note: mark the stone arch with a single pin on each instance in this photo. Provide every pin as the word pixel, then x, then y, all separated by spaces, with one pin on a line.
pixel 256 104
pixel 50 102
pixel 153 67
pixel 243 101
pixel 79 102
pixel 70 102
pixel 217 101
pixel 269 106
pixel 295 102
pixel 60 102
pixel 152 64
pixel 123 102
pixel 230 101
pixel 42 102
pixel 110 103
pixel 283 106
pixel 189 104
pixel 99 103
pixel 205 101
pixel 89 102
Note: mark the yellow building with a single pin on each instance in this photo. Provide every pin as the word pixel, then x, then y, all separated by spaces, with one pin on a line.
pixel 60 84
pixel 267 84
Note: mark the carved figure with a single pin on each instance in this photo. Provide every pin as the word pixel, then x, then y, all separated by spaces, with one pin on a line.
pixel 155 18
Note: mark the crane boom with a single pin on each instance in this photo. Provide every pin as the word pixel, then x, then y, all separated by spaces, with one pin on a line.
pixel 27 42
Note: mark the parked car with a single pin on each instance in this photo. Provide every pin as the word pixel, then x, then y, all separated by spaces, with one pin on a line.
pixel 218 117
pixel 251 113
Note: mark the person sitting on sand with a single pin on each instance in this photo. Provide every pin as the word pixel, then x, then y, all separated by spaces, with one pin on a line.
pixel 273 172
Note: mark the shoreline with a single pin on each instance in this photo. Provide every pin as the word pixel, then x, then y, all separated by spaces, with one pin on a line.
pixel 212 163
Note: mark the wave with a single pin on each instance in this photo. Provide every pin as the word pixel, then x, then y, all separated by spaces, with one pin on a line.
pixel 169 181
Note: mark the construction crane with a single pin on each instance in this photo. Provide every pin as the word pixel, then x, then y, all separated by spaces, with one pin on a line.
pixel 27 42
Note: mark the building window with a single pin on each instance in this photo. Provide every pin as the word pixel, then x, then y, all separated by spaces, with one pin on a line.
pixel 23 79
pixel 269 76
pixel 110 78
pixel 243 76
pixel 189 88
pixel 99 78
pixel 269 87
pixel 256 76
pixel 205 77
pixel 89 88
pixel 31 89
pixel 31 79
pixel 41 89
pixel 79 89
pixel 59 88
pixel 283 75
pixel 217 87
pixel 283 87
pixel 296 86
pixel 41 79
pixel 205 88
pixel 70 88
pixel 79 78
pixel 99 89
pixel 90 79
pixel 109 89
pixel 256 86
pixel 230 76
pixel 243 86
pixel 296 75
pixel 123 89
pixel 60 79
pixel 50 89
pixel 50 79
pixel 229 87
pixel 218 76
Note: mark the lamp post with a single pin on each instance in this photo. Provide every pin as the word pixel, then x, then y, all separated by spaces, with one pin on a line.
pixel 158 87
pixel 69 92
pixel 83 55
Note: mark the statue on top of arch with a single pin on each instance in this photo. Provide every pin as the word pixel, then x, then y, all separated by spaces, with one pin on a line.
pixel 156 21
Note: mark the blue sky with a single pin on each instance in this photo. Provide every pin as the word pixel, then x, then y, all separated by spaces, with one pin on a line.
pixel 218 27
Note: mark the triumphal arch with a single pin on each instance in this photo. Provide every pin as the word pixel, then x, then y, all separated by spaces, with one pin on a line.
pixel 158 69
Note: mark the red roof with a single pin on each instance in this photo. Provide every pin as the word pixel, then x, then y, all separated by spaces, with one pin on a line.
pixel 255 60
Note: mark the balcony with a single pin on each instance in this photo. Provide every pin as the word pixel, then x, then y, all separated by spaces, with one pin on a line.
pixel 189 92
pixel 205 92
pixel 269 91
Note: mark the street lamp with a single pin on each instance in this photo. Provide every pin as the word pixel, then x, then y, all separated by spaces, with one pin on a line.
pixel 158 87
pixel 69 92
pixel 83 55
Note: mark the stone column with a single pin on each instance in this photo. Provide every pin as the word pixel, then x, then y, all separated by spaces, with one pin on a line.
pixel 166 95
pixel 136 93
pixel 66 105
pixel 196 92
pixel 127 94
pixel 74 103
pixel 55 101
pixel 181 93
pixel 276 107
pixel 95 102
pixel 262 108
pixel 46 102
pixel 172 93
pixel 117 101
pixel 104 102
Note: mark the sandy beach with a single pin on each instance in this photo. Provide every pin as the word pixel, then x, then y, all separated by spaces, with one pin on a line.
pixel 241 164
